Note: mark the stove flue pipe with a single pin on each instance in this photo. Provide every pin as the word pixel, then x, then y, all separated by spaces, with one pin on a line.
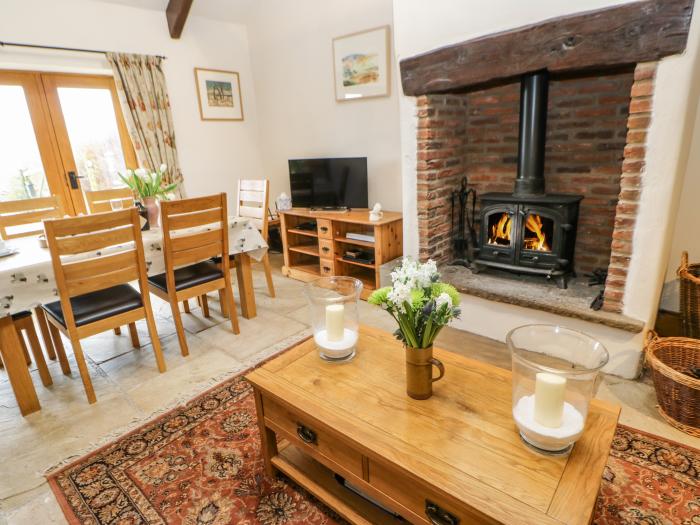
pixel 534 88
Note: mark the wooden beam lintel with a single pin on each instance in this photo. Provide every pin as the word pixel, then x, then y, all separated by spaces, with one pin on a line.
pixel 176 13
pixel 604 38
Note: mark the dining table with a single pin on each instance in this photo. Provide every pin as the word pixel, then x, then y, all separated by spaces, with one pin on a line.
pixel 27 281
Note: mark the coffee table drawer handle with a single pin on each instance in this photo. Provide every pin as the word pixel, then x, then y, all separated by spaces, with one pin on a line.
pixel 306 434
pixel 439 516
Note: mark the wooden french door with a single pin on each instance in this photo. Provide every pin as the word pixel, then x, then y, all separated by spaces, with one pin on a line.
pixel 60 134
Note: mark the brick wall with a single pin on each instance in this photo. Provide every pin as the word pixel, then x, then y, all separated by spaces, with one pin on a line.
pixel 630 184
pixel 596 132
pixel 586 128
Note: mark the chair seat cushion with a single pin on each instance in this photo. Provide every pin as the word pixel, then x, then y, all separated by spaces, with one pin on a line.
pixel 231 258
pixel 189 276
pixel 21 315
pixel 98 305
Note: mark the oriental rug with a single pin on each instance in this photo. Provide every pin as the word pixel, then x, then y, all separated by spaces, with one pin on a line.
pixel 200 464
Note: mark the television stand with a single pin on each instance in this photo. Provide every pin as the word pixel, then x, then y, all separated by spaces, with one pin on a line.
pixel 321 252
pixel 330 209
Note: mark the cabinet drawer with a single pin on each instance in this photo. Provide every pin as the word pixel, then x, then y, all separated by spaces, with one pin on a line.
pixel 327 267
pixel 325 228
pixel 309 438
pixel 425 503
pixel 325 248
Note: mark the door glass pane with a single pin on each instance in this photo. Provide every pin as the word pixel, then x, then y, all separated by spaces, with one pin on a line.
pixel 94 136
pixel 538 233
pixel 22 173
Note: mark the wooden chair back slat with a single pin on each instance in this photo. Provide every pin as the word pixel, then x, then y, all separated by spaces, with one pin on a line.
pixel 253 201
pixel 27 211
pixel 89 242
pixel 191 220
pixel 96 222
pixel 182 248
pixel 75 270
pixel 191 205
pixel 187 242
pixel 197 254
pixel 99 201
pixel 102 281
pixel 253 184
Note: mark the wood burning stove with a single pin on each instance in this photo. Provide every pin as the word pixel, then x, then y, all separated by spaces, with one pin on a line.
pixel 530 231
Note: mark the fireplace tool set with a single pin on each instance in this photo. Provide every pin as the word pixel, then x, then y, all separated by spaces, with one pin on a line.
pixel 464 239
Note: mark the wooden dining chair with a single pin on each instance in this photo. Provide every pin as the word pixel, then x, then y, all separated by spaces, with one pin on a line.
pixel 253 201
pixel 95 294
pixel 27 212
pixel 189 270
pixel 100 201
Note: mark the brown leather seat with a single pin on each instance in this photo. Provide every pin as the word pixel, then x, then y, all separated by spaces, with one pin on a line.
pixel 21 315
pixel 98 305
pixel 189 276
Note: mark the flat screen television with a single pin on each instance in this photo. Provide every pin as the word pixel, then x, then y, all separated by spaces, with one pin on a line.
pixel 329 183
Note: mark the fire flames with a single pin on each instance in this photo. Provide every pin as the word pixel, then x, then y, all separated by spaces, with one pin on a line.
pixel 500 231
pixel 538 241
pixel 535 237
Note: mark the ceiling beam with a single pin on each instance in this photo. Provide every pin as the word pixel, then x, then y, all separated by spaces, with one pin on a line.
pixel 176 13
pixel 614 36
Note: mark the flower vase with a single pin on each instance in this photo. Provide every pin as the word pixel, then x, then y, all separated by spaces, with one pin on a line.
pixel 419 371
pixel 153 211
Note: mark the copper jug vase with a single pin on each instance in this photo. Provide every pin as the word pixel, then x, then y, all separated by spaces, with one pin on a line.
pixel 419 372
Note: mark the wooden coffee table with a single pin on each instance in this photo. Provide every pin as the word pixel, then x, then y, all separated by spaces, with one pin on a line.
pixel 454 458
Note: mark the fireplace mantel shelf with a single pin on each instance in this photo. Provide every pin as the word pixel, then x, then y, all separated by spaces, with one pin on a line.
pixel 522 291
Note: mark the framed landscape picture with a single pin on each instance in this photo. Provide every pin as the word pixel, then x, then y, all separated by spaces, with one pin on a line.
pixel 219 94
pixel 361 64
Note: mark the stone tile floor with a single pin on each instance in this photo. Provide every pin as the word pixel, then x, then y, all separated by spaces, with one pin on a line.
pixel 130 390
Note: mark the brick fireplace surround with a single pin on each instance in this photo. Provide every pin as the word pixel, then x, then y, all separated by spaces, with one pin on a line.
pixel 596 144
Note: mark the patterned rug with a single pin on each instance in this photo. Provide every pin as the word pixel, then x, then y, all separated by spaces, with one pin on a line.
pixel 200 464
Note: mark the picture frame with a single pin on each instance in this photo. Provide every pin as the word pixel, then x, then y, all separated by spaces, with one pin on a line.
pixel 362 64
pixel 218 94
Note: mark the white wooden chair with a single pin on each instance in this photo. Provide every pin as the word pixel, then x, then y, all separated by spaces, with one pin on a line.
pixel 253 200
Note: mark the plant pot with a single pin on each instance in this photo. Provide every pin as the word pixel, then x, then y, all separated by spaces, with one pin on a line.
pixel 419 372
pixel 152 211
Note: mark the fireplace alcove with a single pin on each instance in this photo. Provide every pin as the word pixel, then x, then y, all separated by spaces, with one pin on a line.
pixel 470 82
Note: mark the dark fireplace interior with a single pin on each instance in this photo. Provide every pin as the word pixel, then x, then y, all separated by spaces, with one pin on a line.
pixel 529 230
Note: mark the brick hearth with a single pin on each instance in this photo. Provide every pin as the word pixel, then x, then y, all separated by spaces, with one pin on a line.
pixel 596 134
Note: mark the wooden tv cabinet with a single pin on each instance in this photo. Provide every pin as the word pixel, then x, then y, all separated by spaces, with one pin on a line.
pixel 313 253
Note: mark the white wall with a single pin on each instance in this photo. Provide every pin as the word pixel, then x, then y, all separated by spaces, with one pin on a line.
pixel 420 27
pixel 212 154
pixel 299 117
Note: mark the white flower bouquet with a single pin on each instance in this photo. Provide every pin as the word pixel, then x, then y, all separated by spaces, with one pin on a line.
pixel 420 304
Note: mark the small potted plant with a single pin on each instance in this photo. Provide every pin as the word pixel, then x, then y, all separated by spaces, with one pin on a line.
pixel 150 188
pixel 422 306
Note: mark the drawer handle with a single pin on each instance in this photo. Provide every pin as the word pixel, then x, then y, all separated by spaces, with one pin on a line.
pixel 325 249
pixel 324 229
pixel 306 434
pixel 439 516
pixel 326 269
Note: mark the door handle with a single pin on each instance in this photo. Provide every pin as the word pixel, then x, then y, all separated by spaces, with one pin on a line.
pixel 73 179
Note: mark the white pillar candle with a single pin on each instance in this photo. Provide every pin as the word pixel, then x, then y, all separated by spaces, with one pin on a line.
pixel 549 399
pixel 335 321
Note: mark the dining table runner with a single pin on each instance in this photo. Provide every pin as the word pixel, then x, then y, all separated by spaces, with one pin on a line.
pixel 27 279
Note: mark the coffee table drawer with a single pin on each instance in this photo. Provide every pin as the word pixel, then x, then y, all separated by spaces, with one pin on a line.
pixel 300 431
pixel 425 503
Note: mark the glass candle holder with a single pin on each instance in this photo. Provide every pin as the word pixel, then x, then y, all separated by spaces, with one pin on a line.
pixel 555 373
pixel 333 302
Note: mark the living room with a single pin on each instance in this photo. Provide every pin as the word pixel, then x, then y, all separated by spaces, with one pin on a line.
pixel 522 192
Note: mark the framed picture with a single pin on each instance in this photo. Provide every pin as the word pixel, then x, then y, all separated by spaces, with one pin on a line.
pixel 361 64
pixel 219 94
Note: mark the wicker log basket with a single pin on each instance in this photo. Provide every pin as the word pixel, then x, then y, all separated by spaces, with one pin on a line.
pixel 671 360
pixel 689 276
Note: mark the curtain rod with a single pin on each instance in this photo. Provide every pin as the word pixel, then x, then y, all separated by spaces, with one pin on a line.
pixel 59 48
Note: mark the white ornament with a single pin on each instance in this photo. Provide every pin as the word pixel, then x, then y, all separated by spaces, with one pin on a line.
pixel 376 212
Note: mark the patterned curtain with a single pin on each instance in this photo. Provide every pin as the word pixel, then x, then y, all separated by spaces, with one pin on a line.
pixel 144 98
